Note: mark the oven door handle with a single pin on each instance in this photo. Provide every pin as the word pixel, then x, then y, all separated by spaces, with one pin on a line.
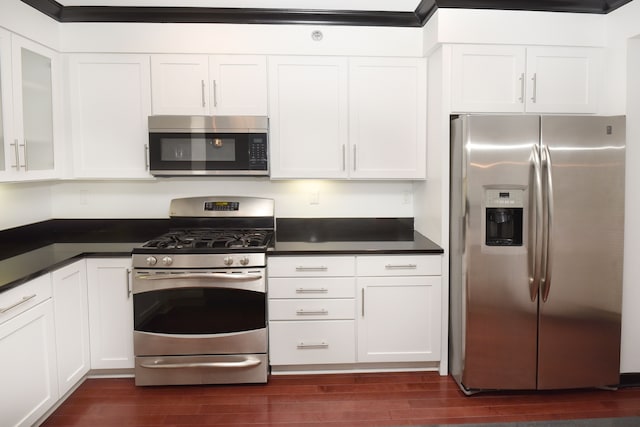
pixel 158 364
pixel 234 277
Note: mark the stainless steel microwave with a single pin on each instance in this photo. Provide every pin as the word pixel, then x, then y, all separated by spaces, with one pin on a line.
pixel 208 145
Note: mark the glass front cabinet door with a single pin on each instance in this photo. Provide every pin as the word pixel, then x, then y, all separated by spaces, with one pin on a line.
pixel 29 96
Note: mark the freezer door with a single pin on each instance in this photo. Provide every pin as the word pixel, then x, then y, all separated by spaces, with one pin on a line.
pixel 499 314
pixel 579 324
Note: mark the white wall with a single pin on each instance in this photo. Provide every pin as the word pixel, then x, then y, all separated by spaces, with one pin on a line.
pixel 622 24
pixel 623 97
pixel 240 39
pixel 630 360
pixel 514 27
pixel 150 199
pixel 20 18
pixel 431 196
pixel 24 203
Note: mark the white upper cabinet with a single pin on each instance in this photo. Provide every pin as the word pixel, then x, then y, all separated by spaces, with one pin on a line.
pixel 308 106
pixel 387 117
pixel 562 79
pixel 179 84
pixel 203 84
pixel 238 85
pixel 109 105
pixel 488 78
pixel 30 110
pixel 513 79
pixel 359 118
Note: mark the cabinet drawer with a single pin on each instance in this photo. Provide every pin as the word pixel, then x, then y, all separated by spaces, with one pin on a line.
pixel 400 265
pixel 322 342
pixel 312 287
pixel 310 266
pixel 311 309
pixel 21 298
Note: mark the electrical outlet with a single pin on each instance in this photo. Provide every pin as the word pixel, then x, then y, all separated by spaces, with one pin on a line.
pixel 406 197
pixel 314 197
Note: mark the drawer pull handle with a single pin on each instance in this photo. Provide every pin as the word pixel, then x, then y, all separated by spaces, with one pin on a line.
pixel 318 268
pixel 303 312
pixel 311 290
pixel 401 266
pixel 309 346
pixel 14 305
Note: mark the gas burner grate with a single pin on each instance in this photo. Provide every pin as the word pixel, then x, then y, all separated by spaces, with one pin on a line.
pixel 211 238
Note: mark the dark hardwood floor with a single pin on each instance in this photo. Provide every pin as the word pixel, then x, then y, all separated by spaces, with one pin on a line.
pixel 385 399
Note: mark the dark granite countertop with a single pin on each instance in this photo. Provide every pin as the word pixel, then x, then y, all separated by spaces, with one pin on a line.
pixel 340 236
pixel 417 244
pixel 21 268
pixel 30 251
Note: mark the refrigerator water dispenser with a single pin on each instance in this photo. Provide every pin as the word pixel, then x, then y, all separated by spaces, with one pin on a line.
pixel 503 217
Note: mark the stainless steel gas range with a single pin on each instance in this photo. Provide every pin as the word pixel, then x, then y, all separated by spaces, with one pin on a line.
pixel 199 294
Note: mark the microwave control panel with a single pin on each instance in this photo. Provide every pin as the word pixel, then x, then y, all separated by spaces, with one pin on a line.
pixel 258 151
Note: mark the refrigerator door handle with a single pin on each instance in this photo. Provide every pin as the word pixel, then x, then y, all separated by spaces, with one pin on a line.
pixel 545 283
pixel 535 259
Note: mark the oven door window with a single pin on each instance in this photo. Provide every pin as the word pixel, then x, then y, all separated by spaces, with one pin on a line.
pixel 199 311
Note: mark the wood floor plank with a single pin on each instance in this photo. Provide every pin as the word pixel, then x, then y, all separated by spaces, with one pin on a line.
pixel 340 400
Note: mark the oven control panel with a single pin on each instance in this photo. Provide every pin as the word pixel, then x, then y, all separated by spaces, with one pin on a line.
pixel 221 206
pixel 199 260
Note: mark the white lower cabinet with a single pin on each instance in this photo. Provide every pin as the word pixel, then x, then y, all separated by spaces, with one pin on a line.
pixel 399 319
pixel 110 313
pixel 71 312
pixel 354 310
pixel 311 310
pixel 27 351
pixel 318 342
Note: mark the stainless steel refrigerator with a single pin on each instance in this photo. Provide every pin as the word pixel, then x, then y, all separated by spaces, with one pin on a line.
pixel 536 251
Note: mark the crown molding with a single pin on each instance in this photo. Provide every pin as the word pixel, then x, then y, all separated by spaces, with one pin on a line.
pixel 418 18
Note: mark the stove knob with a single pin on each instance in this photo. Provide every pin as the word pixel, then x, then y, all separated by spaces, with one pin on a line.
pixel 228 260
pixel 167 260
pixel 151 260
pixel 244 260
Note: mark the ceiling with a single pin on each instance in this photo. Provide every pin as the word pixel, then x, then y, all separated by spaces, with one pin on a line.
pixel 396 13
